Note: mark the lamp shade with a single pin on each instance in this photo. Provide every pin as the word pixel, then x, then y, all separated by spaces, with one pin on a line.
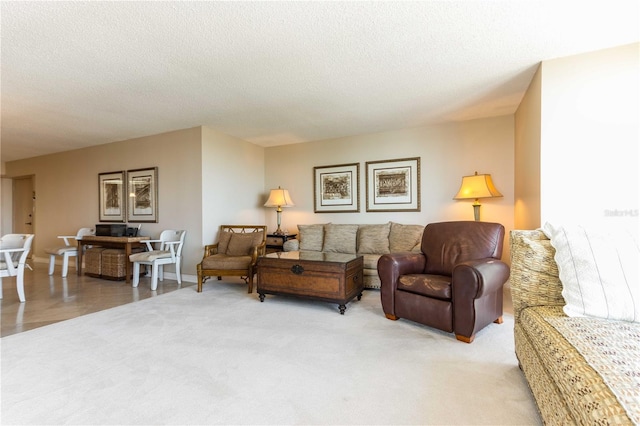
pixel 279 198
pixel 477 186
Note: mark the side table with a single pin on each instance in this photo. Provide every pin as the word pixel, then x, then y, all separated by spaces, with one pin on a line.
pixel 276 241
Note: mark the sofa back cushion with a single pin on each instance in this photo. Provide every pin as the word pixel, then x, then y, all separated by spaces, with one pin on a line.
pixel 405 237
pixel 311 237
pixel 534 273
pixel 373 239
pixel 445 244
pixel 340 238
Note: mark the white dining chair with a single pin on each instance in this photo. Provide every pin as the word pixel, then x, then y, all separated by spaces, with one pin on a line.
pixel 69 249
pixel 168 251
pixel 14 249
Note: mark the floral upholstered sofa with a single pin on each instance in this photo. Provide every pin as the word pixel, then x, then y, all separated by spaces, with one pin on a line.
pixel 369 240
pixel 577 336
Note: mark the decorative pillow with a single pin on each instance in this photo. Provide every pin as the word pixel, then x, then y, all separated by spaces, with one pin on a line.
pixel 405 237
pixel 373 239
pixel 340 238
pixel 223 241
pixel 241 244
pixel 598 270
pixel 311 237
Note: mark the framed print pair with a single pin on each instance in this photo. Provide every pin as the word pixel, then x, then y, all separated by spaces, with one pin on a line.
pixel 130 196
pixel 391 185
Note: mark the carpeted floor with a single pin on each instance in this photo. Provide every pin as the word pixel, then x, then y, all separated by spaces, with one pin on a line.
pixel 222 357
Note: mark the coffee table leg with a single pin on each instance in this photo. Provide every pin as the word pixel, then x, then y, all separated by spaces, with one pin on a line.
pixel 261 296
pixel 342 309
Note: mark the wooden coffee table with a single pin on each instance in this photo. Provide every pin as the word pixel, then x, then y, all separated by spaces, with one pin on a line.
pixel 331 277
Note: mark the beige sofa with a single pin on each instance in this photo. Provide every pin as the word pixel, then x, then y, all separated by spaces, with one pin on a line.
pixel 580 369
pixel 369 240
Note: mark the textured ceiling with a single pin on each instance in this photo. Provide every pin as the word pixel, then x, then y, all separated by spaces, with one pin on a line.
pixel 76 74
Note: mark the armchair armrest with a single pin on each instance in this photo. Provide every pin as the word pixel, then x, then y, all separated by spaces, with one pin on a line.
pixel 257 251
pixel 210 250
pixel 390 267
pixel 479 277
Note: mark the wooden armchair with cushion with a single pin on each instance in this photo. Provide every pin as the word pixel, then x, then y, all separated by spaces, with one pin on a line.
pixel 235 253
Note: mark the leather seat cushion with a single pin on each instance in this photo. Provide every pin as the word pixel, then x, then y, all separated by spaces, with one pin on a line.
pixel 438 286
pixel 60 250
pixel 223 261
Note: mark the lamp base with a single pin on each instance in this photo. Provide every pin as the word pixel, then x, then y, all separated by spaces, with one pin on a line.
pixel 278 232
pixel 476 211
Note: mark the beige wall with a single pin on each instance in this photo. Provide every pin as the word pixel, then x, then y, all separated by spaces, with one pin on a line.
pixel 67 187
pixel 577 141
pixel 232 183
pixel 527 157
pixel 590 137
pixel 447 151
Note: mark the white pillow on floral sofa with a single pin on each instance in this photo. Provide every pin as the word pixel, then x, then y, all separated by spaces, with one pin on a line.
pixel 598 270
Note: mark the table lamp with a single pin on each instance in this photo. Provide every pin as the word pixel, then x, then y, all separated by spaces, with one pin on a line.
pixel 279 198
pixel 476 187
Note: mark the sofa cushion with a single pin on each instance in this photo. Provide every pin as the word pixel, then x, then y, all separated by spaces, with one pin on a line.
pixel 241 244
pixel 534 273
pixel 340 238
pixel 598 270
pixel 370 261
pixel 405 237
pixel 311 237
pixel 584 390
pixel 373 239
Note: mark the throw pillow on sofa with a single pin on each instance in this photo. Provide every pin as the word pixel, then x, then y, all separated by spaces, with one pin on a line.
pixel 340 238
pixel 373 239
pixel 405 237
pixel 598 270
pixel 311 237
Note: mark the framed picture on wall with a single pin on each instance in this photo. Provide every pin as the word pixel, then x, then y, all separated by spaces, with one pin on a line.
pixel 111 201
pixel 142 190
pixel 393 185
pixel 336 189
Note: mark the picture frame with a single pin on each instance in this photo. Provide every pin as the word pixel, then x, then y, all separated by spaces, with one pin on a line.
pixel 142 191
pixel 111 200
pixel 393 185
pixel 336 189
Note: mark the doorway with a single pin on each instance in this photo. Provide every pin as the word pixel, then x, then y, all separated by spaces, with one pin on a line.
pixel 24 206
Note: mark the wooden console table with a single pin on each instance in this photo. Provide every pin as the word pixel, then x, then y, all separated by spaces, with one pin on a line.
pixel 126 243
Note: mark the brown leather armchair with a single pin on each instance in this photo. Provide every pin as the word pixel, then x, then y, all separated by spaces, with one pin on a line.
pixel 454 284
